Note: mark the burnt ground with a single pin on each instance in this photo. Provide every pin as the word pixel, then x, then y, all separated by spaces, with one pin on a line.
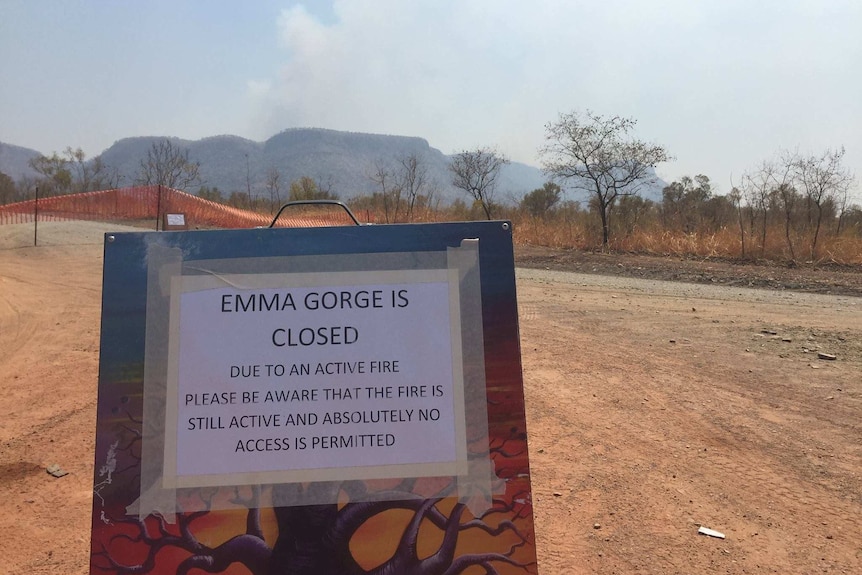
pixel 833 279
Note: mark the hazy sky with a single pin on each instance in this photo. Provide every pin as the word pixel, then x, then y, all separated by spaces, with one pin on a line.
pixel 722 84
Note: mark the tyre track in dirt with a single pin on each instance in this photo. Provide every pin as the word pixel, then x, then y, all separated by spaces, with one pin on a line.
pixel 16 329
pixel 49 327
pixel 51 297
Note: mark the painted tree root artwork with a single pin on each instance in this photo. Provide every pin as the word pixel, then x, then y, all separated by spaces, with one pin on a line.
pixel 435 536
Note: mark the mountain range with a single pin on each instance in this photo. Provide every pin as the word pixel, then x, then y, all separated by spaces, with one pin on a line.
pixel 341 161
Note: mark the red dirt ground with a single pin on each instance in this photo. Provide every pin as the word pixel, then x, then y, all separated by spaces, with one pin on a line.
pixel 652 409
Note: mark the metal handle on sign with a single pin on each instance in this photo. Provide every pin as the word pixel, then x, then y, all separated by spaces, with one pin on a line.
pixel 315 203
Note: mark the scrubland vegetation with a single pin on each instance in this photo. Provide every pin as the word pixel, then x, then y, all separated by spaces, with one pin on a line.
pixel 794 208
pixel 688 224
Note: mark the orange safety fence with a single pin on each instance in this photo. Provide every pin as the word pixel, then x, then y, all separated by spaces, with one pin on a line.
pixel 148 203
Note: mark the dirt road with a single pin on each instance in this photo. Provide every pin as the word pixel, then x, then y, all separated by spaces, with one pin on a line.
pixel 653 408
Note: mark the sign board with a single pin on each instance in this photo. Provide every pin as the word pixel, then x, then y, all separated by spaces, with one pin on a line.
pixel 316 394
pixel 175 222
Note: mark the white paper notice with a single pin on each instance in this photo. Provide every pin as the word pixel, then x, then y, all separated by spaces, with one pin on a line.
pixel 176 219
pixel 298 377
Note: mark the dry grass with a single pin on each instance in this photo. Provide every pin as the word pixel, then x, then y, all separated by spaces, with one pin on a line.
pixel 580 231
pixel 842 250
pixel 723 244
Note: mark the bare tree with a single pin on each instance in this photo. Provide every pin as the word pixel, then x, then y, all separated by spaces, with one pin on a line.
pixel 758 188
pixel 390 191
pixel 787 196
pixel 824 180
pixel 273 186
pixel 842 203
pixel 735 197
pixel 26 186
pixel 413 181
pixel 252 197
pixel 168 165
pixel 404 186
pixel 475 172
pixel 770 189
pixel 596 154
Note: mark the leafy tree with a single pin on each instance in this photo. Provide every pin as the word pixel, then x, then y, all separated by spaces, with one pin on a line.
pixel 8 191
pixel 853 220
pixel 212 194
pixel 90 175
pixel 306 188
pixel 598 155
pixel 475 172
pixel 541 201
pixel 72 172
pixel 684 203
pixel 55 175
pixel 632 213
pixel 457 211
pixel 168 165
pixel 718 212
pixel 239 200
